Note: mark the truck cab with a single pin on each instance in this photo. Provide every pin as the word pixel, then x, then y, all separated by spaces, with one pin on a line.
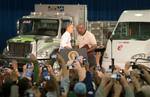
pixel 130 39
pixel 40 32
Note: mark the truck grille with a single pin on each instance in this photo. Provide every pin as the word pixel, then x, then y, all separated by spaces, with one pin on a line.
pixel 19 49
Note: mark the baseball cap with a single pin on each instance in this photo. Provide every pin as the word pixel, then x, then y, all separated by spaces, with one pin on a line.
pixel 80 88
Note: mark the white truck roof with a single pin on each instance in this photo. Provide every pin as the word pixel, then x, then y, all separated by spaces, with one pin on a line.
pixel 77 12
pixel 40 15
pixel 135 16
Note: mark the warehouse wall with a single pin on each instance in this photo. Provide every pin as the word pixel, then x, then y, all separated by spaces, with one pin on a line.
pixel 11 10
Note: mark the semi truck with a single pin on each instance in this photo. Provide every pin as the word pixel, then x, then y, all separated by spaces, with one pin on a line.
pixel 130 40
pixel 40 32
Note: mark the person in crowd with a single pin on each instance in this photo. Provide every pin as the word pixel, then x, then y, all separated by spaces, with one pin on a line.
pixel 14 66
pixel 1 82
pixel 28 70
pixel 52 88
pixel 45 70
pixel 108 83
pixel 24 84
pixel 33 60
pixel 7 82
pixel 73 78
pixel 36 91
pixel 14 89
pixel 65 42
pixel 143 92
pixel 32 92
pixel 31 69
pixel 85 76
pixel 80 89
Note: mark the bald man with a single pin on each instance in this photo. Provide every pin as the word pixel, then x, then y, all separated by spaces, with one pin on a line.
pixel 85 39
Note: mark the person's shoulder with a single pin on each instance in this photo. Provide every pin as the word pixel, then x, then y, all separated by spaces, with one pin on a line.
pixel 89 33
pixel 66 33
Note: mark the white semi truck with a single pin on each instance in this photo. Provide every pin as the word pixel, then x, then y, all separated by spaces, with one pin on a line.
pixel 39 33
pixel 130 39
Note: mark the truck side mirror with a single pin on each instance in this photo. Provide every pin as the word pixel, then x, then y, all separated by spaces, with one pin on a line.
pixel 109 33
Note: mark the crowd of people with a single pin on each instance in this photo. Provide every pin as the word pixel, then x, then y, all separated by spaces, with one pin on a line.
pixel 47 80
pixel 74 78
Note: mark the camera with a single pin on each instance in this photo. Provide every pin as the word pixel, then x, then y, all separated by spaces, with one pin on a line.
pixel 83 61
pixel 29 94
pixel 128 78
pixel 56 68
pixel 116 76
pixel 109 70
pixel 29 71
pixel 71 66
pixel 41 86
pixel 47 77
pixel 134 65
pixel 45 74
pixel 137 69
pixel 98 68
pixel 10 66
pixel 29 65
pixel 122 72
pixel 62 90
pixel 53 56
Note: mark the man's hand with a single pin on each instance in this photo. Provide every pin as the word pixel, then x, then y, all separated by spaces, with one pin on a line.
pixel 81 70
pixel 92 48
pixel 98 56
pixel 124 82
pixel 100 74
pixel 117 89
pixel 106 84
pixel 146 76
pixel 127 66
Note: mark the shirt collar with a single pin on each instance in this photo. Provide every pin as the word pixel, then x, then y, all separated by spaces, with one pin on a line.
pixel 67 32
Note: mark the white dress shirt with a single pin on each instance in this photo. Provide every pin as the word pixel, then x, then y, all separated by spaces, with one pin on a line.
pixel 65 40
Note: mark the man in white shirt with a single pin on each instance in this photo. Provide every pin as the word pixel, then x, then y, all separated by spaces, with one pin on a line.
pixel 66 38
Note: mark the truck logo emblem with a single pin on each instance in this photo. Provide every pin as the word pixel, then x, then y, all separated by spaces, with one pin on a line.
pixel 119 47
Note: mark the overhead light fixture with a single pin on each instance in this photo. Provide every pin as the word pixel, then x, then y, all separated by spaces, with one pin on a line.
pixel 138 14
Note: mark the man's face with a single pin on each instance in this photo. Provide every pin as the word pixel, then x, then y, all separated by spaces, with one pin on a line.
pixel 70 29
pixel 81 29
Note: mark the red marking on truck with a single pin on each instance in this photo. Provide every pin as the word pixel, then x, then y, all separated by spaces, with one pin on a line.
pixel 119 47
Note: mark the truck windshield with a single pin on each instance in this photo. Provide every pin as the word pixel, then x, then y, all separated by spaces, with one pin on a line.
pixel 132 30
pixel 45 27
